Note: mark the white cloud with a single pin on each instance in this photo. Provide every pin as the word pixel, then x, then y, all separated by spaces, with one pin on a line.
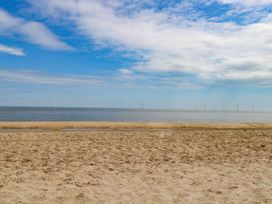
pixel 11 50
pixel 123 78
pixel 26 76
pixel 169 43
pixel 125 71
pixel 31 31
pixel 248 2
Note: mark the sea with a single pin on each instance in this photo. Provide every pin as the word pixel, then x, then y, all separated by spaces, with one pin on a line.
pixel 129 115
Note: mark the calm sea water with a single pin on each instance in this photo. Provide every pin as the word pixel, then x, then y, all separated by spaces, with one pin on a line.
pixel 127 115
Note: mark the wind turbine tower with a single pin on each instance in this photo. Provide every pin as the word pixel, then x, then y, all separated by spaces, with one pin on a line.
pixel 237 106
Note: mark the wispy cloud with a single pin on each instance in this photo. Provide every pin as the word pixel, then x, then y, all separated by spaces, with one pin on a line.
pixel 257 3
pixel 26 76
pixel 122 78
pixel 250 11
pixel 31 31
pixel 11 50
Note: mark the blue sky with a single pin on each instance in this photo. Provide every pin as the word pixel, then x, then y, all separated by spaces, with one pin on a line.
pixel 122 53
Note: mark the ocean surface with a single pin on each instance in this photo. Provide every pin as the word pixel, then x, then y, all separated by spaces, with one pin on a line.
pixel 128 115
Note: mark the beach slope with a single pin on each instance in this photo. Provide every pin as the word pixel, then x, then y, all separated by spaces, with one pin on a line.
pixel 88 162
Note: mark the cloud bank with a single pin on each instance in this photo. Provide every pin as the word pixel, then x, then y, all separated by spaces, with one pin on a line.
pixel 164 41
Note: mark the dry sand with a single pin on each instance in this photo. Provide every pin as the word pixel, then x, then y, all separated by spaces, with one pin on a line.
pixel 166 163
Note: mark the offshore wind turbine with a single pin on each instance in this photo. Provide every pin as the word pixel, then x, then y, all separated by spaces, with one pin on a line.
pixel 237 106
pixel 204 107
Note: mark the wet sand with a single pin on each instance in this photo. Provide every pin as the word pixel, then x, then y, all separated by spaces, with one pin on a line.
pixel 135 163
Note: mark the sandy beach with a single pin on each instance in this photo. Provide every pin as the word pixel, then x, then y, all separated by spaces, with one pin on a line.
pixel 85 162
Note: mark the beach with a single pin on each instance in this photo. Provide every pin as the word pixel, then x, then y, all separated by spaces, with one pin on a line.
pixel 88 162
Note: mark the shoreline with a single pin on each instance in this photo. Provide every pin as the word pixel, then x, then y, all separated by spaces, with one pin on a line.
pixel 77 125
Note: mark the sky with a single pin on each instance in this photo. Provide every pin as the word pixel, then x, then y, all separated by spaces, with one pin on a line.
pixel 184 54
